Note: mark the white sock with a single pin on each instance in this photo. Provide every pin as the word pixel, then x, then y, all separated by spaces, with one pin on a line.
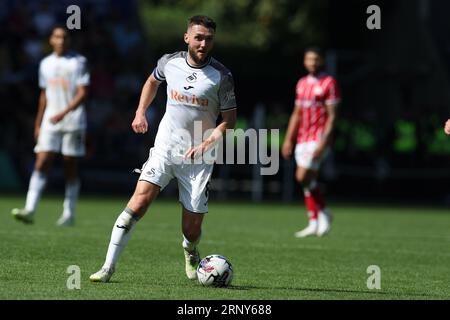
pixel 71 197
pixel 188 245
pixel 312 223
pixel 121 234
pixel 35 188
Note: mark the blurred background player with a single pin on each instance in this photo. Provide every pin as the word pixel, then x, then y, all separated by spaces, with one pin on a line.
pixel 447 127
pixel 310 130
pixel 60 125
pixel 199 88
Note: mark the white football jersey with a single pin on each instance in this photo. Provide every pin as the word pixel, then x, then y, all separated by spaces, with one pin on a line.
pixel 60 76
pixel 193 94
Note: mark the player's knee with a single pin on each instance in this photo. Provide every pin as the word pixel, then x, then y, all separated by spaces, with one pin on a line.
pixel 70 165
pixel 301 178
pixel 71 175
pixel 42 165
pixel 142 198
pixel 141 201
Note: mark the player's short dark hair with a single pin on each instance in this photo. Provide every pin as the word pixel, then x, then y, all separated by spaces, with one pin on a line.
pixel 315 50
pixel 59 26
pixel 202 20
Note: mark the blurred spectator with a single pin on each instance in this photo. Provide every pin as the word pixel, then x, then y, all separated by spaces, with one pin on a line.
pixel 33 46
pixel 43 19
pixel 126 37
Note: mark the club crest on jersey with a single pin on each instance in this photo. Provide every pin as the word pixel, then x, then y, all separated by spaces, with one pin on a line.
pixel 192 77
pixel 318 91
pixel 188 99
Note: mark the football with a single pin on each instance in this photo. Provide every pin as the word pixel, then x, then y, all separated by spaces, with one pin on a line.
pixel 215 270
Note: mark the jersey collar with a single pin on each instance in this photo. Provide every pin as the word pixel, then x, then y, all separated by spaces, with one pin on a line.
pixel 67 54
pixel 198 67
pixel 319 76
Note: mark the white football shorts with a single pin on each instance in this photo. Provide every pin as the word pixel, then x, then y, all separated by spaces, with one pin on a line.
pixel 68 143
pixel 304 155
pixel 193 179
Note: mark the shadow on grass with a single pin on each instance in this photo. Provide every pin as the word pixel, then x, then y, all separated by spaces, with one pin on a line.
pixel 374 292
pixel 104 283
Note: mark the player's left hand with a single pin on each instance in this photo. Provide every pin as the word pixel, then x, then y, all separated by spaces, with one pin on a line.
pixel 195 152
pixel 57 117
pixel 286 150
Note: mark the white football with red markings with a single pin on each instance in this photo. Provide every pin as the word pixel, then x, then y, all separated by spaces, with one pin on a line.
pixel 215 270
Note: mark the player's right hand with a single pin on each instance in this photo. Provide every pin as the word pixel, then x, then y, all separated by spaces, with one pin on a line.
pixel 140 124
pixel 286 150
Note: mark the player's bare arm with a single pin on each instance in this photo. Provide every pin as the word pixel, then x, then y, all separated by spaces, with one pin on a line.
pixel 40 113
pixel 447 127
pixel 328 131
pixel 80 97
pixel 228 122
pixel 289 140
pixel 148 93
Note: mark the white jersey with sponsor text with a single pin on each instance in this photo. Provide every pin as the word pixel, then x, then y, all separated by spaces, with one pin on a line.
pixel 193 94
pixel 60 76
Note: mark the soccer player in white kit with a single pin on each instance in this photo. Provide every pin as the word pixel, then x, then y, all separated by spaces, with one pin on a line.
pixel 199 88
pixel 60 125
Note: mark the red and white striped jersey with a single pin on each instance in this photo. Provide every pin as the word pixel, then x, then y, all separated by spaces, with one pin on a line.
pixel 312 95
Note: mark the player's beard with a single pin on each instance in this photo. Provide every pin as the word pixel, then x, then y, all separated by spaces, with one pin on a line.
pixel 316 71
pixel 193 54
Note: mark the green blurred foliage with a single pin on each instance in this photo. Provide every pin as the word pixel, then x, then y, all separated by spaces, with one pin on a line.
pixel 355 134
pixel 406 136
pixel 363 137
pixel 249 24
pixel 438 142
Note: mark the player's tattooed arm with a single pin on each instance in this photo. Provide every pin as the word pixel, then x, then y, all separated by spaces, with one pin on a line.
pixel 148 93
pixel 291 133
pixel 80 96
pixel 329 130
pixel 228 122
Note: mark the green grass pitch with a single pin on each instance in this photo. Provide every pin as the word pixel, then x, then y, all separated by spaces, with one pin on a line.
pixel 410 245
